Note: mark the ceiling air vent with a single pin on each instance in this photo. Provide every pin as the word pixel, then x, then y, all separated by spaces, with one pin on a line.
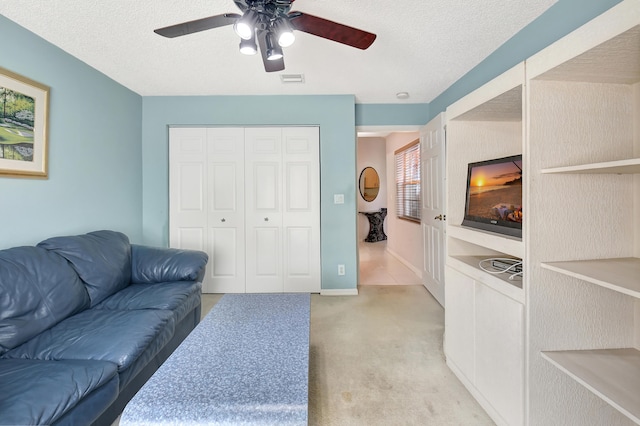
pixel 292 78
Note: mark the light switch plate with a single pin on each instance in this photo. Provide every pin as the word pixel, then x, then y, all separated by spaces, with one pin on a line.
pixel 338 198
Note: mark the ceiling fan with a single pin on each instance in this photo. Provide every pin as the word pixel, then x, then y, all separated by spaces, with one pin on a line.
pixel 270 24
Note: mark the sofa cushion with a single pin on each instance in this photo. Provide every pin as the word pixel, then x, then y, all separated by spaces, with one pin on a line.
pixel 101 258
pixel 40 392
pixel 38 289
pixel 156 265
pixel 180 297
pixel 128 339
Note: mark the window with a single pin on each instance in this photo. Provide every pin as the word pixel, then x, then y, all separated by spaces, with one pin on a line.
pixel 408 181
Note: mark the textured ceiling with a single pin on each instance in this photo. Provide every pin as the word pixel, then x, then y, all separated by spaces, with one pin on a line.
pixel 423 46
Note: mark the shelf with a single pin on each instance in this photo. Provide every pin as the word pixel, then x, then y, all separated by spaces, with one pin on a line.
pixel 505 107
pixel 611 374
pixel 468 265
pixel 630 166
pixel 620 274
pixel 615 60
pixel 504 244
pixel 498 100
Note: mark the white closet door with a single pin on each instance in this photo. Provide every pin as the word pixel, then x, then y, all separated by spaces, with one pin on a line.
pixel 187 188
pixel 250 198
pixel 263 217
pixel 301 209
pixel 206 198
pixel 225 196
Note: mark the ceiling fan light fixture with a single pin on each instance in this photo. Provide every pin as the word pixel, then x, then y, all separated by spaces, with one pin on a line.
pixel 248 47
pixel 274 51
pixel 283 29
pixel 245 26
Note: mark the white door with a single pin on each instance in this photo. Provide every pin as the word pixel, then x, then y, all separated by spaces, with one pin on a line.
pixel 263 217
pixel 301 207
pixel 432 157
pixel 225 201
pixel 250 198
pixel 188 188
pixel 282 209
pixel 206 198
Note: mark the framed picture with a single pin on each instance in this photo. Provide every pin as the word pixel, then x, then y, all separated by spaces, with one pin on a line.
pixel 24 106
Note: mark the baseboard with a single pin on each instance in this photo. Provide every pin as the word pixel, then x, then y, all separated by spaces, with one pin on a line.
pixel 339 292
pixel 404 262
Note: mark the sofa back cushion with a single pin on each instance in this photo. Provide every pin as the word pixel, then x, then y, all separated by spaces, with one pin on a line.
pixel 101 258
pixel 38 289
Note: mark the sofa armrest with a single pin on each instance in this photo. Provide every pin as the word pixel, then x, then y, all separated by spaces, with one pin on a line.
pixel 155 265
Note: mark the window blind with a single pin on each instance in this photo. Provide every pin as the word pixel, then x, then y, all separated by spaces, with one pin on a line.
pixel 408 181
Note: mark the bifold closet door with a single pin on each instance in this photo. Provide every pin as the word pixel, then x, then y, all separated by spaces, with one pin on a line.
pixel 206 198
pixel 282 187
pixel 249 198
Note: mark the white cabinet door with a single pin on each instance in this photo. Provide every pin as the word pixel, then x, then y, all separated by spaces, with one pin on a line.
pixel 484 341
pixel 499 343
pixel 459 322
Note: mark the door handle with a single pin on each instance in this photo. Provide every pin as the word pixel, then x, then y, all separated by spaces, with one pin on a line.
pixel 266 219
pixel 223 220
pixel 441 217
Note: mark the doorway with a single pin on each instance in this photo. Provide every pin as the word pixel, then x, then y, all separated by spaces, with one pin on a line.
pixel 398 259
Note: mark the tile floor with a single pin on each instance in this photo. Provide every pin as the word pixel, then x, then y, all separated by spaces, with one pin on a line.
pixel 378 267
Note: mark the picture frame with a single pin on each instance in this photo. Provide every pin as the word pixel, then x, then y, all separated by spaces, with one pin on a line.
pixel 24 116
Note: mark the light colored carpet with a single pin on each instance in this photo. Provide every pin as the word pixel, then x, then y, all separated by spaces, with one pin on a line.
pixel 377 359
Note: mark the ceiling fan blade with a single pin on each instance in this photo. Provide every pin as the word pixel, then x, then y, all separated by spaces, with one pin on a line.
pixel 198 25
pixel 269 66
pixel 331 30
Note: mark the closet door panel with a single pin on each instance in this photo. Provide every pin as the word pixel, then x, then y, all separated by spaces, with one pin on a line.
pixel 301 214
pixel 187 188
pixel 225 211
pixel 263 217
pixel 298 187
pixel 299 243
pixel 189 238
pixel 250 198
pixel 266 187
pixel 224 259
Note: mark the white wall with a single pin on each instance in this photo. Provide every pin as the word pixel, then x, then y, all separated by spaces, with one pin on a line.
pixel 371 153
pixel 404 238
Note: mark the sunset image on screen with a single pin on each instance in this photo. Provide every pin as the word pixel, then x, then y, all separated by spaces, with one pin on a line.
pixel 495 191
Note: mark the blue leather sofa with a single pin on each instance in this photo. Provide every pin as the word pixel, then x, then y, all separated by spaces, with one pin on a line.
pixel 85 321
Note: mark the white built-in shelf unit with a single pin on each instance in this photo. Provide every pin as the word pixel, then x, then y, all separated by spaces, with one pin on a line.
pixel 584 100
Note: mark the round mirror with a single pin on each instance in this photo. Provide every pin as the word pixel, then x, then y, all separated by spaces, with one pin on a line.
pixel 369 184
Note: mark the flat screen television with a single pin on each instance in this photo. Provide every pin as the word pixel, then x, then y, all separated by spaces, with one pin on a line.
pixel 494 196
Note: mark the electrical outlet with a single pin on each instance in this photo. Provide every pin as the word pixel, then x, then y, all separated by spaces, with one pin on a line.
pixel 340 269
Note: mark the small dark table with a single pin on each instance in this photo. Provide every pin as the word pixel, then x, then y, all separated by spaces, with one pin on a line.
pixel 376 222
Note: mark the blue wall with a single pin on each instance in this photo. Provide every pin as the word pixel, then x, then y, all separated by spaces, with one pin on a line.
pixel 95 181
pixel 334 114
pixel 392 114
